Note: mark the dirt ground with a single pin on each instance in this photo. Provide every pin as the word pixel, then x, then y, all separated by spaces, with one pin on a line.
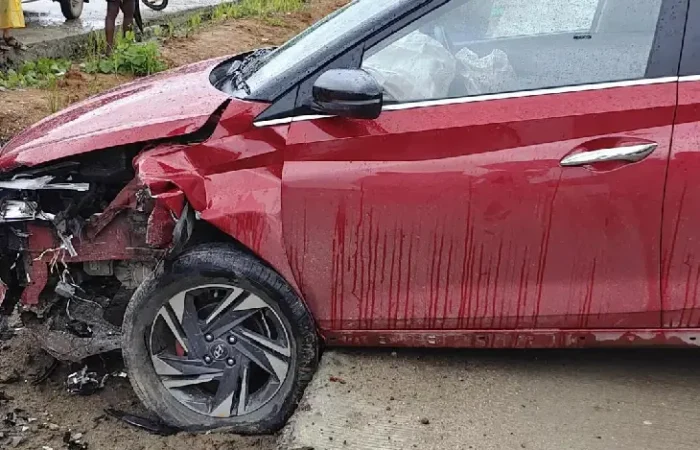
pixel 40 416
pixel 19 109
pixel 45 416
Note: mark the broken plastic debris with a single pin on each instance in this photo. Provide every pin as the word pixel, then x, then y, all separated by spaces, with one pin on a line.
pixel 20 210
pixel 73 441
pixel 31 184
pixel 67 243
pixel 83 382
pixel 152 426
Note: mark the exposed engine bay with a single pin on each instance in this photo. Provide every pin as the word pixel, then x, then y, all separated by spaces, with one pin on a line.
pixel 77 238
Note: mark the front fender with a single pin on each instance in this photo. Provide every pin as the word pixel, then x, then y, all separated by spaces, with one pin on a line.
pixel 234 182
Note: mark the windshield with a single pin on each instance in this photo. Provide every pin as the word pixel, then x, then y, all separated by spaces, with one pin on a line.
pixel 330 30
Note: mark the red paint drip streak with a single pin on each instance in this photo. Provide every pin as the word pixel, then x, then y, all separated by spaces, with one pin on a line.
pixel 408 282
pixel 485 314
pixel 375 276
pixel 495 282
pixel 366 288
pixel 522 292
pixel 686 299
pixel 667 262
pixel 447 305
pixel 395 314
pixel 589 300
pixel 544 248
pixel 695 295
pixel 478 286
pixel 438 278
pixel 391 278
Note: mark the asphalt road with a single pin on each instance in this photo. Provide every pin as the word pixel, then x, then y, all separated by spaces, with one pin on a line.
pixel 45 21
pixel 543 400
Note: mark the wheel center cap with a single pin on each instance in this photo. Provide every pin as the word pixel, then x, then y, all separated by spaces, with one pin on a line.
pixel 219 352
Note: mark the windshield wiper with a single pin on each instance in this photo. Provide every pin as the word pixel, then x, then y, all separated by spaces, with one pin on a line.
pixel 238 71
pixel 234 76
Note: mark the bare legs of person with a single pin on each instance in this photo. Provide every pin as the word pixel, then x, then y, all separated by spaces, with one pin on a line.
pixel 113 6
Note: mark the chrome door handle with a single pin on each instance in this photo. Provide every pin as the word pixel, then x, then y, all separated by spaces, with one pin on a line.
pixel 632 153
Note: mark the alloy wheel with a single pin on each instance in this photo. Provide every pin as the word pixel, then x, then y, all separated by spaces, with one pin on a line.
pixel 220 350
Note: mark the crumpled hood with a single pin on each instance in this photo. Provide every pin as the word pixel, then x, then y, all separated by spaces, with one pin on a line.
pixel 166 105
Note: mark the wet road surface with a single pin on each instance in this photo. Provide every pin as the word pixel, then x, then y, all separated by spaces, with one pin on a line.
pixel 45 21
pixel 493 400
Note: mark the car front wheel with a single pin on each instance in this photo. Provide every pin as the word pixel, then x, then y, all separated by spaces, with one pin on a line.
pixel 218 339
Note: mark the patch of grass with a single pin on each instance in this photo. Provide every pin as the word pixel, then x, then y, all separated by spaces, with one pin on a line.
pixel 273 21
pixel 256 8
pixel 128 58
pixel 193 24
pixel 39 73
pixel 53 97
pixel 97 45
pixel 219 12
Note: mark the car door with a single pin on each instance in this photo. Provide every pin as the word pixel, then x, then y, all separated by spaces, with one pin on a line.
pixel 514 179
pixel 681 236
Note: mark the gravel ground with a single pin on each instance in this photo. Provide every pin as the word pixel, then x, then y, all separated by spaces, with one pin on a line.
pixel 45 415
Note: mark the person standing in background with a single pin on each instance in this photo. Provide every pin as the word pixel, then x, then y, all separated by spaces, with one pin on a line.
pixel 11 17
pixel 113 6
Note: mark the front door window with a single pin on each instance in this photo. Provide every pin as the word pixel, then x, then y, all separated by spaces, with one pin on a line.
pixel 475 47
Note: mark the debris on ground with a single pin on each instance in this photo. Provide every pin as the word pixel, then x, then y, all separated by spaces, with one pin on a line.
pixel 44 374
pixel 337 380
pixel 72 440
pixel 152 426
pixel 12 377
pixel 83 382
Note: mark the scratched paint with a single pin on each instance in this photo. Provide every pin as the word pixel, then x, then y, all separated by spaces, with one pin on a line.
pixel 423 232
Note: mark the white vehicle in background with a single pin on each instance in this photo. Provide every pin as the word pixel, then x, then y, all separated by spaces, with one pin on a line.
pixel 71 9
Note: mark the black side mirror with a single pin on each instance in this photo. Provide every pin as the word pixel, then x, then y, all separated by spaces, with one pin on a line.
pixel 348 93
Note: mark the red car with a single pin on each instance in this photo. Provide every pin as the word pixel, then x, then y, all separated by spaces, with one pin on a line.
pixel 428 173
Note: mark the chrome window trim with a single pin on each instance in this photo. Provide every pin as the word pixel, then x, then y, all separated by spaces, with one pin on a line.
pixel 532 93
pixel 689 78
pixel 488 97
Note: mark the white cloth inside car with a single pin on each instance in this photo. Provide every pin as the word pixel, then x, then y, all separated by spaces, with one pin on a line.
pixel 415 67
pixel 490 74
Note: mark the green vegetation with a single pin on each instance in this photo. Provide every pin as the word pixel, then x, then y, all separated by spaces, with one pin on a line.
pixel 194 22
pixel 39 73
pixel 128 57
pixel 137 58
pixel 53 97
pixel 255 8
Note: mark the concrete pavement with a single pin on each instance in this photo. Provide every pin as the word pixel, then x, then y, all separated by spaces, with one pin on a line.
pixel 543 400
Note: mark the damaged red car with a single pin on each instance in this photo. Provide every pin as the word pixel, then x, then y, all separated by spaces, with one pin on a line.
pixel 429 173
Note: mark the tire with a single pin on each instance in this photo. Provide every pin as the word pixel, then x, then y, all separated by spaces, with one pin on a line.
pixel 71 9
pixel 156 5
pixel 194 272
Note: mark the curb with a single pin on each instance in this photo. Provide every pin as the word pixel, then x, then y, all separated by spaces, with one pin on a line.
pixel 72 47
